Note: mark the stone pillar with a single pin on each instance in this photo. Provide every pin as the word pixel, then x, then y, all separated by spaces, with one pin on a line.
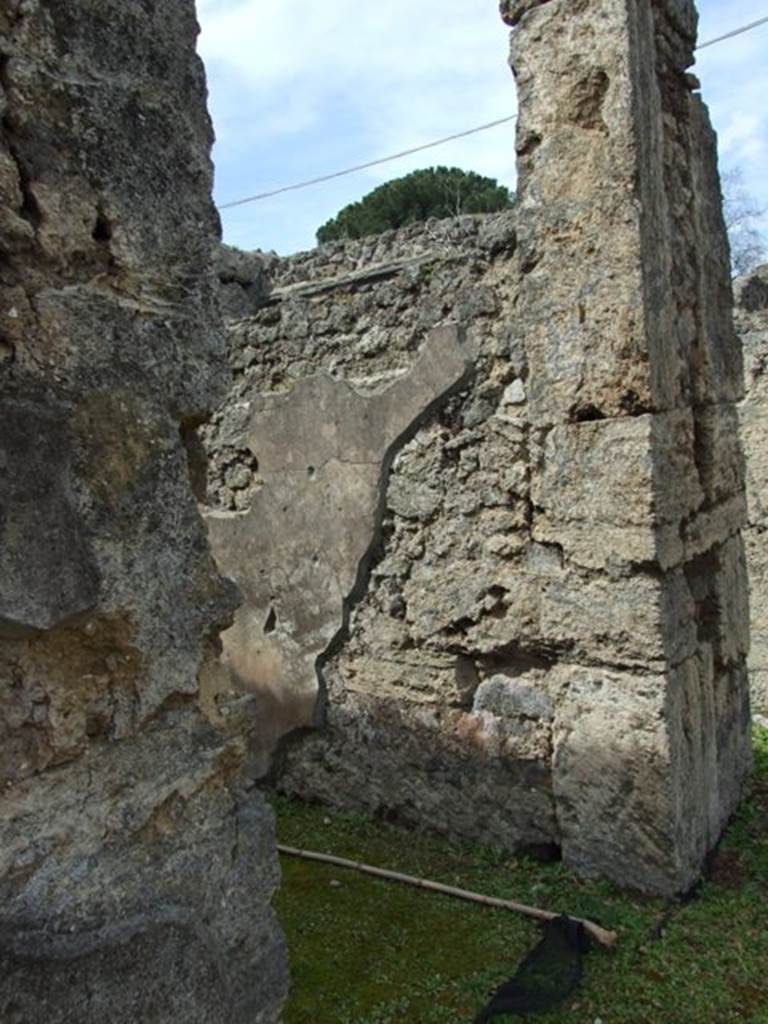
pixel 636 469
pixel 751 314
pixel 135 876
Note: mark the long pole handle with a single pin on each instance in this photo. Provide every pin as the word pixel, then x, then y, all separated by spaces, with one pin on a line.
pixel 602 935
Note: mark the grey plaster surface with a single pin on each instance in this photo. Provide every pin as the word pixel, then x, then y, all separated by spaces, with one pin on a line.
pixel 299 554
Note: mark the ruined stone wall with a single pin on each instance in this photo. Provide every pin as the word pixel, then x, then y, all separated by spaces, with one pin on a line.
pixel 752 324
pixel 333 373
pixel 527 609
pixel 135 876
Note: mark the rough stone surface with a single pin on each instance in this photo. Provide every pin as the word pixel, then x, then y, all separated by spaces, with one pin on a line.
pixel 135 874
pixel 333 375
pixel 634 372
pixel 40 526
pixel 243 280
pixel 550 647
pixel 144 896
pixel 751 293
pixel 323 453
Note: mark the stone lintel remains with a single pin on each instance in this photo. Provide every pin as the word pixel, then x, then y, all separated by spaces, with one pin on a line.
pixel 135 872
pixel 545 644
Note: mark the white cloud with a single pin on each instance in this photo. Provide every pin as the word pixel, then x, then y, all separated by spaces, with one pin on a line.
pixel 298 90
pixel 307 89
pixel 734 77
pixel 280 42
pixel 743 138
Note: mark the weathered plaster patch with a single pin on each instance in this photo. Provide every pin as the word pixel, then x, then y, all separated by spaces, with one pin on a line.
pixel 298 554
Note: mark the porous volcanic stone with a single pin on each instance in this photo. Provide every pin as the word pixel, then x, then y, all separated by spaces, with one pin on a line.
pixel 135 870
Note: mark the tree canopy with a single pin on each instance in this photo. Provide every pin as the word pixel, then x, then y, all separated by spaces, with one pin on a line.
pixel 433 192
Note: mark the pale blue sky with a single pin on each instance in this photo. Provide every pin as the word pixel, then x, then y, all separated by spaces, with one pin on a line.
pixel 299 89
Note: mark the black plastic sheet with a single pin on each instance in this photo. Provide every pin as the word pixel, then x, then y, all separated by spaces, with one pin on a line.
pixel 548 974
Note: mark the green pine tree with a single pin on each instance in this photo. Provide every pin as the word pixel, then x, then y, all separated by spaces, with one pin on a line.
pixel 433 192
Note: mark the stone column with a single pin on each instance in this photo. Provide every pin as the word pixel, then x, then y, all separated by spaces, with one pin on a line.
pixel 135 876
pixel 751 314
pixel 637 472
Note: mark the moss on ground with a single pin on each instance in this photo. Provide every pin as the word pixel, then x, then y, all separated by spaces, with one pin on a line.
pixel 365 951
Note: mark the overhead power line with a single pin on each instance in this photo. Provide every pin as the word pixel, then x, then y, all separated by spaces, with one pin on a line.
pixel 370 163
pixel 735 32
pixel 439 142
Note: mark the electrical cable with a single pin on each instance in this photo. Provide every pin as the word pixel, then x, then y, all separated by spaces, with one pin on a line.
pixel 439 142
pixel 371 163
pixel 735 32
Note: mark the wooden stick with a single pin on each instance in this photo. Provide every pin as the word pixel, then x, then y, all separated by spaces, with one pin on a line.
pixel 604 937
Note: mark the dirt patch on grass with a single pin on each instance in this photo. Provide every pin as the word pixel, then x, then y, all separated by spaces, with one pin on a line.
pixel 727 869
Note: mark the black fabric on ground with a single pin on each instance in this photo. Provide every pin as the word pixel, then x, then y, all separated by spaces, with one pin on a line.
pixel 547 975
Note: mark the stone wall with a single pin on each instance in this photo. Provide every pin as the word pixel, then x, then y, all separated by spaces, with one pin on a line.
pixel 135 871
pixel 335 371
pixel 752 324
pixel 522 618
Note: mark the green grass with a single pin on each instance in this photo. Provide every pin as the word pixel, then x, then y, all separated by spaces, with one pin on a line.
pixel 365 951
